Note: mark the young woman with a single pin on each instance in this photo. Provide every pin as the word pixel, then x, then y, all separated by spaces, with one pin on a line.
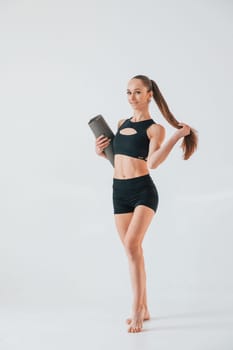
pixel 138 146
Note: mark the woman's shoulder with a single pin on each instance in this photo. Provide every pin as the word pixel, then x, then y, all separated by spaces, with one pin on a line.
pixel 121 121
pixel 156 129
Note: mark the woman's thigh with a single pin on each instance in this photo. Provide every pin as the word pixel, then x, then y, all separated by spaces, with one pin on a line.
pixel 133 226
pixel 122 222
pixel 138 225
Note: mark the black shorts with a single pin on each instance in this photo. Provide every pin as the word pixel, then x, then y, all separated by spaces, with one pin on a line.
pixel 129 193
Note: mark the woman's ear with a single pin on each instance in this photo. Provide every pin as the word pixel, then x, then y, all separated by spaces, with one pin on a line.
pixel 150 96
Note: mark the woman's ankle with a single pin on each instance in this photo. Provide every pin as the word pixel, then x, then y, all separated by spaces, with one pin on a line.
pixel 139 307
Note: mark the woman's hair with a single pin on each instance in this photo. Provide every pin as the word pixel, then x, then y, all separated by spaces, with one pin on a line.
pixel 189 143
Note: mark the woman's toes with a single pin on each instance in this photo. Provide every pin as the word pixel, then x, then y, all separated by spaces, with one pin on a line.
pixel 135 328
pixel 131 330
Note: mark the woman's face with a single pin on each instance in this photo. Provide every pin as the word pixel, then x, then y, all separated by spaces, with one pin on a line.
pixel 138 96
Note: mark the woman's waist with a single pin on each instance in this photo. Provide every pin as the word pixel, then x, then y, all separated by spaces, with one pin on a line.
pixel 127 167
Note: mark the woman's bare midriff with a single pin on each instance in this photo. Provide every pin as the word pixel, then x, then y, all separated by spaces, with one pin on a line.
pixel 128 167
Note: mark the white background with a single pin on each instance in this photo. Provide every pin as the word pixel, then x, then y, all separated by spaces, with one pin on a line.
pixel 63 62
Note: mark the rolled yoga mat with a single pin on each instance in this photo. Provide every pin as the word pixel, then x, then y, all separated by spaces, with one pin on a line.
pixel 99 127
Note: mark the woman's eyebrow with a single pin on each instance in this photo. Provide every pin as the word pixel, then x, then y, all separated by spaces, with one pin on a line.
pixel 134 89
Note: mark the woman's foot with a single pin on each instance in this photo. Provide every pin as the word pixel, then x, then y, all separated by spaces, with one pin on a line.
pixel 145 318
pixel 136 322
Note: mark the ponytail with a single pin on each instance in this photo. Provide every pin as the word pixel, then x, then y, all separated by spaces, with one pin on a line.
pixel 189 143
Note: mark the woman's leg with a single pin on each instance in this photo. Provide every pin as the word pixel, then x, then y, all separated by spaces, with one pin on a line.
pixel 122 223
pixel 135 226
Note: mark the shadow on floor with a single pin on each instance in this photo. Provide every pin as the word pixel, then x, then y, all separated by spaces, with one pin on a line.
pixel 200 320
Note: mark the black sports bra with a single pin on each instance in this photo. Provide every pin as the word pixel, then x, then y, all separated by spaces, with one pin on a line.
pixel 135 145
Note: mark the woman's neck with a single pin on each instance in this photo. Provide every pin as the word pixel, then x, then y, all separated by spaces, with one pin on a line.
pixel 140 115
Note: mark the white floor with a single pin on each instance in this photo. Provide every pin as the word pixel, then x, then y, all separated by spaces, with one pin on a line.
pixel 176 324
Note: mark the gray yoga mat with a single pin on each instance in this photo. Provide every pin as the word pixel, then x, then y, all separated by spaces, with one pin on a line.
pixel 99 127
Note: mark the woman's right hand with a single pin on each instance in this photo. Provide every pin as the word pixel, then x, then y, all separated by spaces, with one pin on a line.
pixel 183 131
pixel 101 143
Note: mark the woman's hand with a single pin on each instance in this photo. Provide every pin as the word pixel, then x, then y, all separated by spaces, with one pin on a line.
pixel 101 143
pixel 182 132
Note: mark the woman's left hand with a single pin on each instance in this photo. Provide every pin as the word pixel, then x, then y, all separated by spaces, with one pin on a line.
pixel 184 131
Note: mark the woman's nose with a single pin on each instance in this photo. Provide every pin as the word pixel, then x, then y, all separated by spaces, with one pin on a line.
pixel 132 97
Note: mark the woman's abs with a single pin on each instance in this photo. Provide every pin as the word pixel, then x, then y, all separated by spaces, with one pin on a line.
pixel 126 167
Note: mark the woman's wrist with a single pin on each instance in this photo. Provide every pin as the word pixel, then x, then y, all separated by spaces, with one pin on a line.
pixel 175 137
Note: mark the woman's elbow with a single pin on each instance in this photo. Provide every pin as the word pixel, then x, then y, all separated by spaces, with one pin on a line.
pixel 152 165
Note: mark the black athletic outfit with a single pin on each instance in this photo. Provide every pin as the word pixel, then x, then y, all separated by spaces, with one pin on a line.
pixel 129 193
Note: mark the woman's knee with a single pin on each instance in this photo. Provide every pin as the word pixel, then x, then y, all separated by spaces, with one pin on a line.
pixel 133 249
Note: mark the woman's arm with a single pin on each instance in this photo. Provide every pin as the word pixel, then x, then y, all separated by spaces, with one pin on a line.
pixel 157 153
